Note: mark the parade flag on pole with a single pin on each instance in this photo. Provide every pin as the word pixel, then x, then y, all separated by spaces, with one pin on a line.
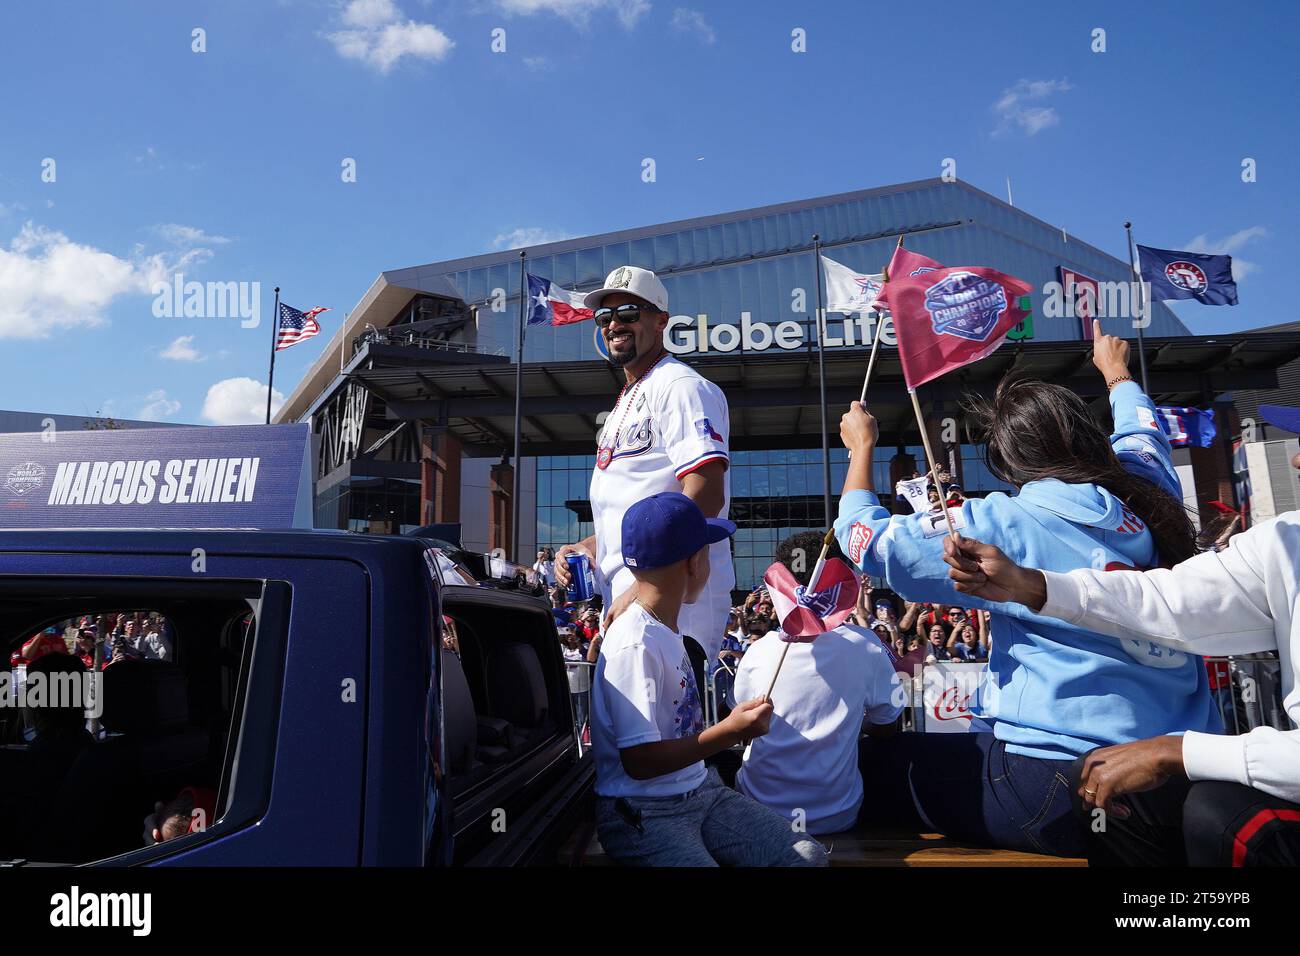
pixel 801 615
pixel 1187 275
pixel 849 291
pixel 902 265
pixel 1186 427
pixel 548 304
pixel 949 317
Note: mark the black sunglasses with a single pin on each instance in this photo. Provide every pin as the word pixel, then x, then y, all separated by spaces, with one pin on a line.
pixel 627 313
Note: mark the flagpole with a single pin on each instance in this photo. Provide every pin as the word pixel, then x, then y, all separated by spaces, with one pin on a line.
pixel 930 461
pixel 519 400
pixel 275 334
pixel 875 338
pixel 1133 264
pixel 821 380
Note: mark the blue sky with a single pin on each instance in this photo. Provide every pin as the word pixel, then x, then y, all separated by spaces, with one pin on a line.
pixel 225 165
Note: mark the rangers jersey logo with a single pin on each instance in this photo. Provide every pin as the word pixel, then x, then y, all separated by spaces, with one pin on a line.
pixel 964 305
pixel 1187 276
pixel 859 538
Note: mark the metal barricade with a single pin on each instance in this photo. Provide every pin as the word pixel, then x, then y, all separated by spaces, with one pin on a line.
pixel 1248 692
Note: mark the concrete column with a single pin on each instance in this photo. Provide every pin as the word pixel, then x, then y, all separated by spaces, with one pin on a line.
pixel 1212 466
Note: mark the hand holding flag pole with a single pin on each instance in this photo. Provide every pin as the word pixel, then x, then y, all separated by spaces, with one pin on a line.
pixel 778 592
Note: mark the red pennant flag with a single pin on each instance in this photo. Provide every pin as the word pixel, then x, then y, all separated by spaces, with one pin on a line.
pixel 949 317
pixel 803 616
pixel 904 264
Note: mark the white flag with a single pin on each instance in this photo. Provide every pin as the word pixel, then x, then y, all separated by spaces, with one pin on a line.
pixel 849 291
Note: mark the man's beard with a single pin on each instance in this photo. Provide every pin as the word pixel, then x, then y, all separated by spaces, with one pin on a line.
pixel 621 359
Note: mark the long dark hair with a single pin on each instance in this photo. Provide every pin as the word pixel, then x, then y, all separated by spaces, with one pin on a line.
pixel 1034 429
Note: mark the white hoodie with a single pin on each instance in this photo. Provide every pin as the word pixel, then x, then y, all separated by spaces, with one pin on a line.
pixel 1241 600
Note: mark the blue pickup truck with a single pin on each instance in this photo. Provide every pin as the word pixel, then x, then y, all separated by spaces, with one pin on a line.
pixel 308 681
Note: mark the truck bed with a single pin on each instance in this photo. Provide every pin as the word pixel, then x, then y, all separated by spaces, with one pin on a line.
pixel 861 847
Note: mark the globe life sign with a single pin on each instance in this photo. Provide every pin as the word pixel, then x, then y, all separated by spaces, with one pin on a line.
pixel 696 335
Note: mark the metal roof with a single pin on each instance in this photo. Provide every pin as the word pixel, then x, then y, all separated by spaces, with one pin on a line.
pixel 773 396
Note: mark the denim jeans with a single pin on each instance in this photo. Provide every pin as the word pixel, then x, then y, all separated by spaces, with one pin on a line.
pixel 967 786
pixel 708 826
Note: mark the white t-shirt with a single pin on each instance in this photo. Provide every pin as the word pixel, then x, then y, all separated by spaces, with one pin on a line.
pixel 809 758
pixel 546 571
pixel 678 421
pixel 644 692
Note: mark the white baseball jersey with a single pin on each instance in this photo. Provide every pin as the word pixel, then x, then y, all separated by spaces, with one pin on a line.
pixel 657 434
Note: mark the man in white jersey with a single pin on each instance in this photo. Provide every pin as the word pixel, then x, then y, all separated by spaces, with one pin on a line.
pixel 668 432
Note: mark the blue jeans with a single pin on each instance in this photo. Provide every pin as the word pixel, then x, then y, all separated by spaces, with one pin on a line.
pixel 708 826
pixel 968 787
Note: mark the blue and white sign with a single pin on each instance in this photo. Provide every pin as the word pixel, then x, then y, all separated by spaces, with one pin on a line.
pixel 235 476
pixel 965 305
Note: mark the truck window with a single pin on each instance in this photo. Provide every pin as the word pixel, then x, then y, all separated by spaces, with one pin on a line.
pixel 120 714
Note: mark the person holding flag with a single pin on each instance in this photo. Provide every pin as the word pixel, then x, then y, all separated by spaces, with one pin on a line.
pixel 1053 691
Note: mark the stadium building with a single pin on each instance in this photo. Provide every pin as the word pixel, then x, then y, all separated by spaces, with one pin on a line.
pixel 412 402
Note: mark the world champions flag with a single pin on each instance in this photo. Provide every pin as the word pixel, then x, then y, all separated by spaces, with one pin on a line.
pixel 949 317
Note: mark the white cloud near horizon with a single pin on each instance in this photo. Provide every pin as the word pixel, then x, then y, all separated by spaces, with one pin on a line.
pixel 239 401
pixel 1022 106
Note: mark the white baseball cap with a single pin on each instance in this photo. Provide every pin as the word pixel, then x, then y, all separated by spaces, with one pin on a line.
pixel 633 280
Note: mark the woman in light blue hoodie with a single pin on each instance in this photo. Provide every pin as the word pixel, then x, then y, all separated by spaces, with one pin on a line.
pixel 1052 691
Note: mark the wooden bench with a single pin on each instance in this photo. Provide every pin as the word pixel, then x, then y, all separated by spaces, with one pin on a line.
pixel 861 847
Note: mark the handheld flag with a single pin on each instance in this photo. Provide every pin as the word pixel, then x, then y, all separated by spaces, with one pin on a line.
pixel 295 326
pixel 949 317
pixel 847 290
pixel 802 615
pixel 1186 427
pixel 1187 275
pixel 548 304
pixel 902 265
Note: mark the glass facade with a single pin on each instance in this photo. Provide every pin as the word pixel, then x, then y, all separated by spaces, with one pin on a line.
pixel 374 505
pixel 761 262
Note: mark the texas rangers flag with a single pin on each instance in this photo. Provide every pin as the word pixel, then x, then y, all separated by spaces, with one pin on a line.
pixel 949 317
pixel 1187 275
pixel 803 616
pixel 849 291
pixel 1186 426
pixel 903 264
pixel 548 304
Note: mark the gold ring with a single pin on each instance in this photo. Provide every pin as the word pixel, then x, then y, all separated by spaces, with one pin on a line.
pixel 1091 793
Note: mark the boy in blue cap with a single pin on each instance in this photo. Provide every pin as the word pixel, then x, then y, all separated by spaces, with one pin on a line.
pixel 657 804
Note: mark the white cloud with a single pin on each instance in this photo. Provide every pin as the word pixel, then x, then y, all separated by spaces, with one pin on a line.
pixel 1022 106
pixel 239 401
pixel 692 21
pixel 49 282
pixel 378 37
pixel 179 235
pixel 527 236
pixel 1229 245
pixel 158 407
pixel 537 63
pixel 182 350
pixel 579 12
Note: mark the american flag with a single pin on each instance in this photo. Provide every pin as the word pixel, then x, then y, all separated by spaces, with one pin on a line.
pixel 296 326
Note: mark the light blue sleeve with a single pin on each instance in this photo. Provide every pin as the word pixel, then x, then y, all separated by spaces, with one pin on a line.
pixel 1140 444
pixel 907 550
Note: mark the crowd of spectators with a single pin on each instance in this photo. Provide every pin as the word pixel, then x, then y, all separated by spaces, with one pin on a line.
pixel 102 640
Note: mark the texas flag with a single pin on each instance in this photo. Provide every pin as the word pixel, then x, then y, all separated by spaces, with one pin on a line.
pixel 902 265
pixel 548 304
pixel 802 616
pixel 949 317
